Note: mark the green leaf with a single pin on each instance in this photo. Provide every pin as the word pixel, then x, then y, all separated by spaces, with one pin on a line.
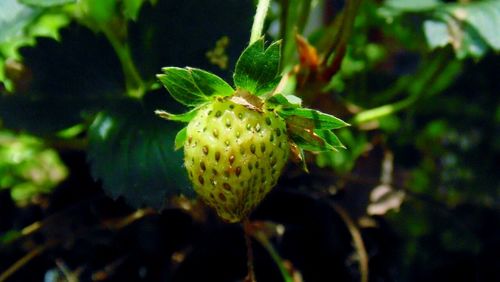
pixel 84 76
pixel 131 8
pixel 19 26
pixel 463 37
pixel 184 117
pixel 14 18
pixel 309 140
pixel 330 138
pixel 9 236
pixel 286 101
pixel 436 33
pixel 20 156
pixel 484 16
pixel 46 3
pixel 180 138
pixel 268 87
pixel 257 68
pixel 344 160
pixel 470 28
pixel 412 5
pixel 102 11
pixel 315 118
pixel 132 152
pixel 192 87
pixel 316 141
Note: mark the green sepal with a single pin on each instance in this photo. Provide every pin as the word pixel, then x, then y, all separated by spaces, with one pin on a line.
pixel 268 87
pixel 330 138
pixel 180 138
pixel 184 117
pixel 257 68
pixel 284 101
pixel 298 156
pixel 303 164
pixel 310 141
pixel 191 86
pixel 312 118
pixel 311 130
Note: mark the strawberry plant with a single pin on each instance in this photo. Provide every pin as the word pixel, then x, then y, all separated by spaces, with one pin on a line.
pixel 249 140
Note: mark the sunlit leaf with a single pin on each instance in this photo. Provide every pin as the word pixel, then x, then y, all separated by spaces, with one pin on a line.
pixel 257 68
pixel 27 167
pixel 192 87
pixel 14 17
pixel 319 119
pixel 46 3
pixel 286 101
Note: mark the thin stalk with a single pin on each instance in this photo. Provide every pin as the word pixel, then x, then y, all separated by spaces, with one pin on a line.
pixel 258 21
pixel 357 240
pixel 133 82
pixel 261 237
pixel 22 262
pixel 419 87
pixel 248 240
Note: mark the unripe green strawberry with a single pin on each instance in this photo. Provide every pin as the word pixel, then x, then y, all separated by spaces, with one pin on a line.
pixel 234 155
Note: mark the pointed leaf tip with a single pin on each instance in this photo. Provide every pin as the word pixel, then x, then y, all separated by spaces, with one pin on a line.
pixel 257 68
pixel 184 117
pixel 191 86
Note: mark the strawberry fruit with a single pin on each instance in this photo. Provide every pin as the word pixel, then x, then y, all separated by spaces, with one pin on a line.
pixel 234 156
pixel 237 142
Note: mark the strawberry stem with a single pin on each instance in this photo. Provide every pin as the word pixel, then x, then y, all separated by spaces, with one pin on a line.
pixel 258 21
pixel 247 231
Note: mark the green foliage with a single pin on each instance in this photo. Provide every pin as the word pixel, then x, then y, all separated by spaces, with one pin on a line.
pixel 46 3
pixel 131 150
pixel 14 18
pixel 101 11
pixel 344 161
pixel 416 79
pixel 20 25
pixel 131 8
pixel 257 68
pixel 470 28
pixel 55 96
pixel 27 167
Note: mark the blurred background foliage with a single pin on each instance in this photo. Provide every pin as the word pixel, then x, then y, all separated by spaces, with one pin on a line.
pixel 83 159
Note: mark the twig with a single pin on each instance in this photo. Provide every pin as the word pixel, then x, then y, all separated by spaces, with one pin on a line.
pixel 357 240
pixel 258 21
pixel 133 80
pixel 418 87
pixel 22 262
pixel 247 230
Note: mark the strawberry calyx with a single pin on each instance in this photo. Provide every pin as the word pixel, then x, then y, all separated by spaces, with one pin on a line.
pixel 255 78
